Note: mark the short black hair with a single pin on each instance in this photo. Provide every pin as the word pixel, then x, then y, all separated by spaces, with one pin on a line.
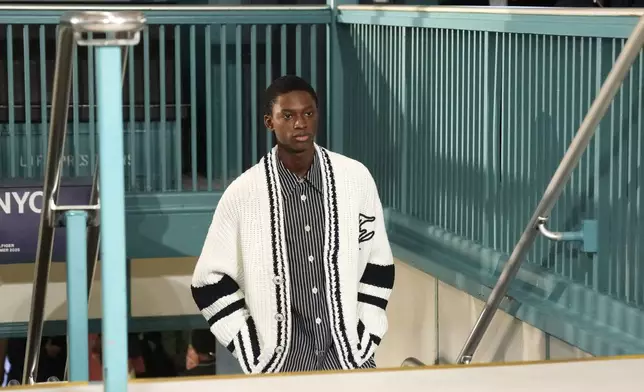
pixel 284 85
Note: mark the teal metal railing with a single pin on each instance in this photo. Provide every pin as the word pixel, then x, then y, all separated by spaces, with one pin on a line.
pixel 192 95
pixel 463 117
pixel 461 114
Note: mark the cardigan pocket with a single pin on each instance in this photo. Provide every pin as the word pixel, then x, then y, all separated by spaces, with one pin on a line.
pixel 246 346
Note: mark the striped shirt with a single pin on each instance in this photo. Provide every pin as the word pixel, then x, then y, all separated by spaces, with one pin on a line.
pixel 312 346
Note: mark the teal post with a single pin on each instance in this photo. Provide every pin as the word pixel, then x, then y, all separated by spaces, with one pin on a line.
pixel 335 80
pixel 112 190
pixel 77 301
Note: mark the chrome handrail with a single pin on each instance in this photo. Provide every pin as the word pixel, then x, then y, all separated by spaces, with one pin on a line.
pixel 57 131
pixel 72 28
pixel 412 362
pixel 568 163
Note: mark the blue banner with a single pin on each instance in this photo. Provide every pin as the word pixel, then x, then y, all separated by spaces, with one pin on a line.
pixel 20 209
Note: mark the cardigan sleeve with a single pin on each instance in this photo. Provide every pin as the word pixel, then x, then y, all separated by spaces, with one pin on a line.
pixel 377 280
pixel 216 284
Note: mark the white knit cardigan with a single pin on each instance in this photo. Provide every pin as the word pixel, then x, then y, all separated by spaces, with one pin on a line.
pixel 241 281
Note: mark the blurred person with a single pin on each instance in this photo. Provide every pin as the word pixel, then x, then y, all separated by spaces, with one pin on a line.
pixel 296 269
pixel 53 359
pixel 135 363
pixel 200 357
pixel 157 362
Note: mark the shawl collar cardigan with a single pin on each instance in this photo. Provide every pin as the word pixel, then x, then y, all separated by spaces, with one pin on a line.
pixel 241 280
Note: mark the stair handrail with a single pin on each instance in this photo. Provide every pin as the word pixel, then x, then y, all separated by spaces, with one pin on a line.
pixel 118 29
pixel 412 362
pixel 57 131
pixel 568 163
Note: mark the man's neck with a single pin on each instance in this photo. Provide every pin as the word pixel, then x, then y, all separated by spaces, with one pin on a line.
pixel 296 163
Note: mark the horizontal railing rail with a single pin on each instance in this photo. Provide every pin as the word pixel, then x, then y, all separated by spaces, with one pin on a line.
pixel 615 23
pixel 47 14
pixel 548 11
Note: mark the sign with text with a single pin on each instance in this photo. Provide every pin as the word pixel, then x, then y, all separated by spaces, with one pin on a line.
pixel 20 209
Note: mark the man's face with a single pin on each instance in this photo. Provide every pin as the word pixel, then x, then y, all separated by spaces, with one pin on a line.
pixel 294 121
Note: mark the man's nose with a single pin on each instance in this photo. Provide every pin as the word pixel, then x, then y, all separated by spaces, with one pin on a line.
pixel 299 123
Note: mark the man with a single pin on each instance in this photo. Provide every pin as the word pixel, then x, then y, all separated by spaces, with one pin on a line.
pixel 296 269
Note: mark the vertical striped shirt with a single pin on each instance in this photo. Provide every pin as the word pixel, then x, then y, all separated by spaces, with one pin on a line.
pixel 312 346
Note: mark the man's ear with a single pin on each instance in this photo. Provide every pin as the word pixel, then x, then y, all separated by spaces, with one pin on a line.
pixel 268 122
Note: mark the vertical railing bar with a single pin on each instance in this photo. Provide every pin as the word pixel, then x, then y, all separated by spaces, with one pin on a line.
pixel 43 93
pixel 77 295
pixel 147 144
pixel 163 132
pixel 413 97
pixel 314 57
pixel 134 151
pixel 523 153
pixel 568 163
pixel 27 91
pixel 468 142
pixel 91 80
pixel 442 129
pixel 541 136
pixel 177 108
pixel 75 146
pixel 238 96
pixel 224 107
pixel 404 117
pixel 640 193
pixel 209 108
pixel 269 76
pixel 620 265
pixel 112 209
pixel 193 108
pixel 11 103
pixel 434 124
pixel 298 50
pixel 612 188
pixel 423 130
pixel 253 92
pixel 93 232
pixel 113 265
pixel 639 203
pixel 597 80
pixel 330 32
pixel 629 256
pixel 283 49
pixel 355 85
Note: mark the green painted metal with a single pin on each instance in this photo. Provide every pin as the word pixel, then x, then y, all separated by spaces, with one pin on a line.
pixel 463 125
pixel 571 312
pixel 192 90
pixel 556 25
pixel 461 118
pixel 78 160
pixel 168 225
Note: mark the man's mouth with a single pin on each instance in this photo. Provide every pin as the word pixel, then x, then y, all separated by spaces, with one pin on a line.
pixel 302 138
